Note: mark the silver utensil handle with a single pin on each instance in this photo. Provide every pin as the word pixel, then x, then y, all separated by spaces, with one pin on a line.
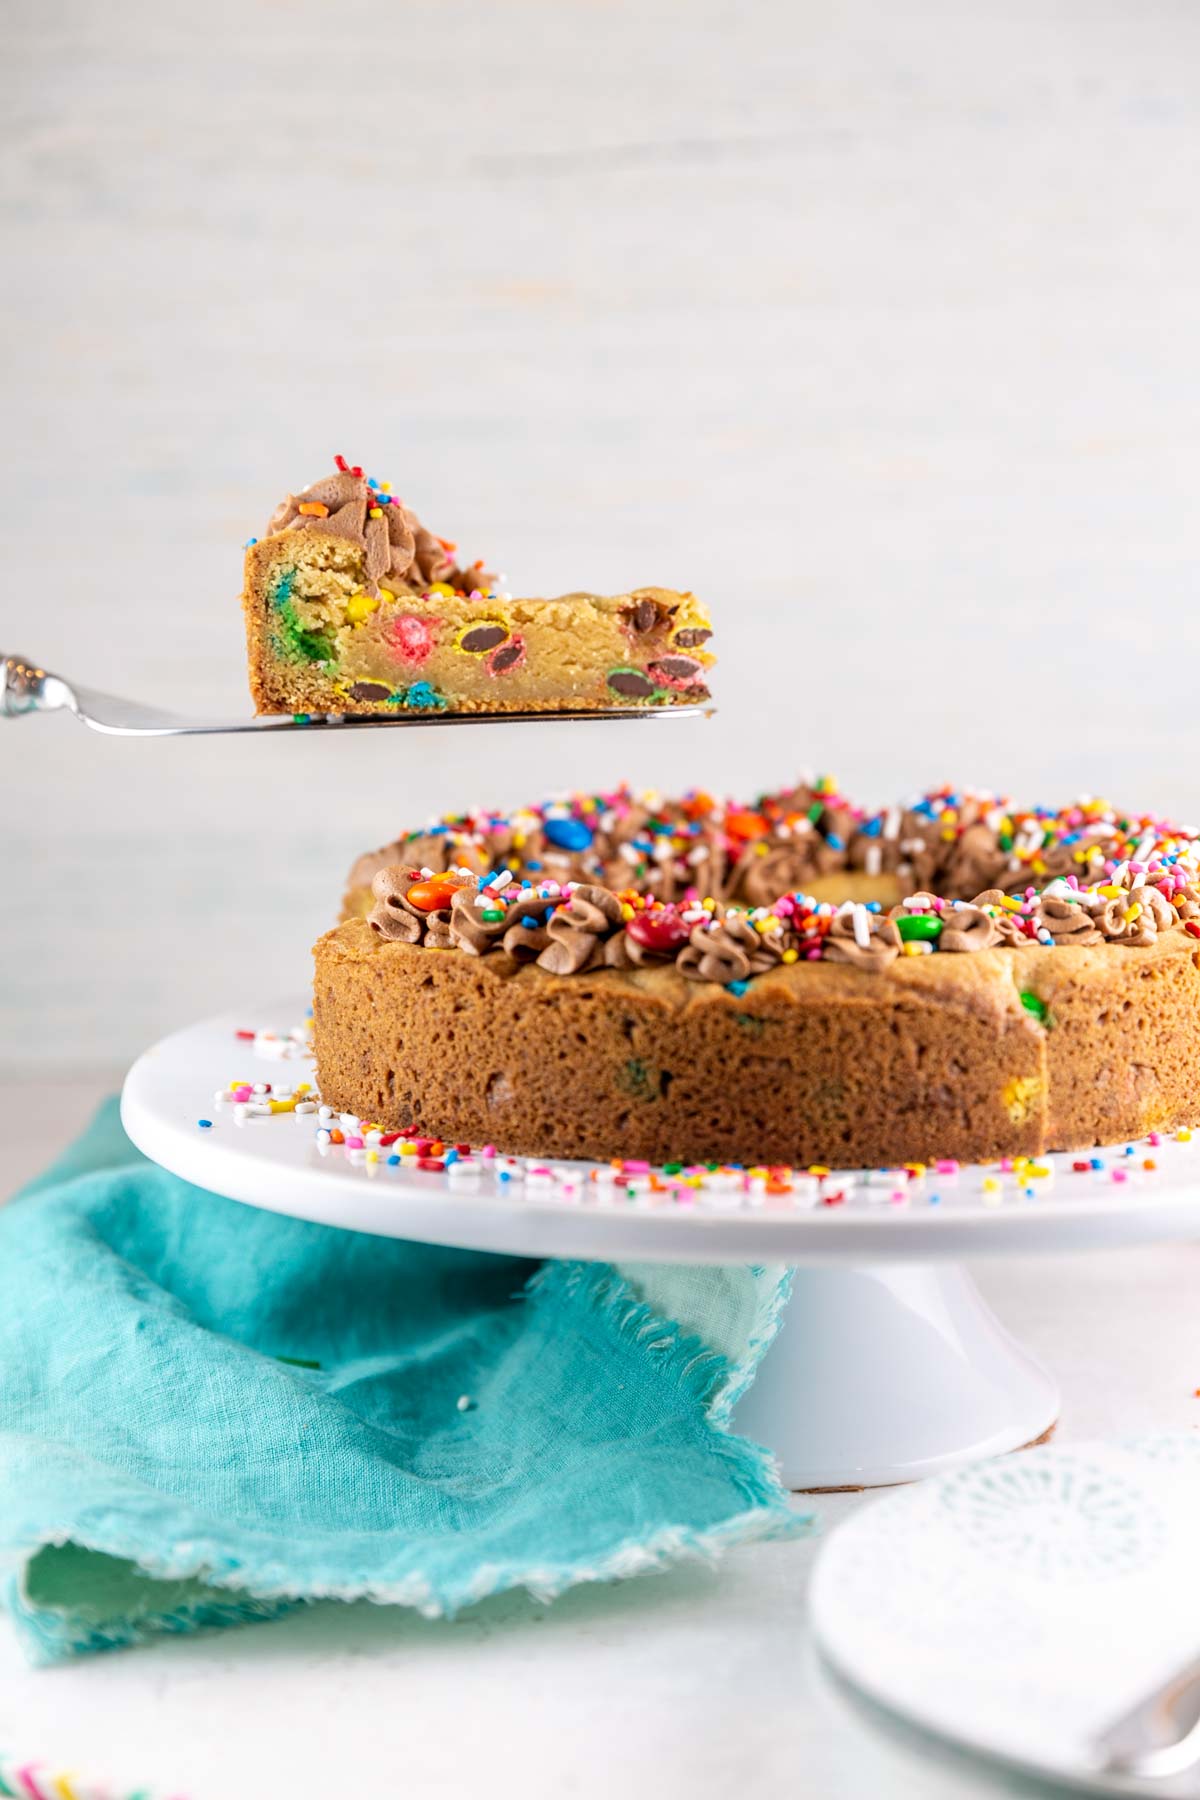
pixel 28 688
pixel 1160 1736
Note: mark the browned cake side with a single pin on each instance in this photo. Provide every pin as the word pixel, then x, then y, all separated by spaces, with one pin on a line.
pixel 816 1063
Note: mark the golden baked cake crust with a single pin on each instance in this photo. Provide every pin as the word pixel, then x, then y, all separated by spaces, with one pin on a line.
pixel 823 1064
pixel 351 606
pixel 561 1017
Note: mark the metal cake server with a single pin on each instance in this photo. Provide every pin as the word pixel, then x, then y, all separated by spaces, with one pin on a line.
pixel 1160 1736
pixel 28 688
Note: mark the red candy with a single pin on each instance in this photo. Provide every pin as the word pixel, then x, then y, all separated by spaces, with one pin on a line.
pixel 659 930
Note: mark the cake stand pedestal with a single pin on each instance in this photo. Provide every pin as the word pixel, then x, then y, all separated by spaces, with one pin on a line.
pixel 888 1372
pixel 888 1365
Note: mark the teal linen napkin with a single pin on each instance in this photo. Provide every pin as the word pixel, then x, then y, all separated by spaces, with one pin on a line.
pixel 211 1414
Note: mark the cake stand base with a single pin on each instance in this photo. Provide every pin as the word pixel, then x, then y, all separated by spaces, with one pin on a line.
pixel 888 1373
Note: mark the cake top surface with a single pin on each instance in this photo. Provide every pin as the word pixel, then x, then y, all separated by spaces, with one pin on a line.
pixel 624 879
pixel 396 546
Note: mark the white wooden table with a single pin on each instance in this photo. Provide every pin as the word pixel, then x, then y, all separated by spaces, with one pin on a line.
pixel 699 1684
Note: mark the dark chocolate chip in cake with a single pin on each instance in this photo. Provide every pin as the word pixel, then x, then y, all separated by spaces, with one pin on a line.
pixel 508 657
pixel 642 615
pixel 481 638
pixel 675 669
pixel 632 683
pixel 691 637
pixel 369 690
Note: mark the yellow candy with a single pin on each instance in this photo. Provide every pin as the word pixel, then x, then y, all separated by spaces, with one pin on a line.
pixel 790 956
pixel 626 911
pixel 359 608
pixel 281 1106
pixel 441 587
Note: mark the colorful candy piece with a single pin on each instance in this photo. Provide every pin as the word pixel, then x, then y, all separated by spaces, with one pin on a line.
pixel 434 894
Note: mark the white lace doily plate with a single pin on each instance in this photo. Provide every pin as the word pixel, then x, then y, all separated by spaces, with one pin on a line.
pixel 1019 1606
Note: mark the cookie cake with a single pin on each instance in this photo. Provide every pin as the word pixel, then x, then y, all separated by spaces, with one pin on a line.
pixel 352 607
pixel 798 981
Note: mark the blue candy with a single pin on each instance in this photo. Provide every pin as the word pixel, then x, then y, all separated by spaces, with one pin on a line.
pixel 569 834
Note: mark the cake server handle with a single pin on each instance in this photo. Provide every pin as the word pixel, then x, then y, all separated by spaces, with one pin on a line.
pixel 30 688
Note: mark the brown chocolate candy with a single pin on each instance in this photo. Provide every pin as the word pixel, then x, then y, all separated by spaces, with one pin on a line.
pixel 691 637
pixel 481 638
pixel 643 615
pixel 674 671
pixel 369 690
pixel 632 683
pixel 508 656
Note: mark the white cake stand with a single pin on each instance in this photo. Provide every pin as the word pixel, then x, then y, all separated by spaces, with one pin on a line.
pixel 888 1365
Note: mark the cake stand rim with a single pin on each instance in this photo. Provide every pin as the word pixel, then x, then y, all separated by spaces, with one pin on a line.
pixel 274 1164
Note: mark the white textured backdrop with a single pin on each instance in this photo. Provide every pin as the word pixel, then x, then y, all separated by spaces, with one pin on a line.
pixel 874 324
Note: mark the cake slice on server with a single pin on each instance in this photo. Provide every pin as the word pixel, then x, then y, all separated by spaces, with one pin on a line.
pixel 352 606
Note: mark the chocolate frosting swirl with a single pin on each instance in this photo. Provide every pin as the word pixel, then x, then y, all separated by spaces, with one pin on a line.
pixel 882 946
pixel 468 928
pixel 731 950
pixel 783 868
pixel 714 953
pixel 576 931
pixel 1136 918
pixel 396 546
pixel 969 928
pixel 1067 921
pixel 975 861
pixel 525 942
pixel 393 916
pixel 1008 931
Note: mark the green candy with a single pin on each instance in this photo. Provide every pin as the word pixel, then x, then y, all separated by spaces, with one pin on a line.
pixel 919 925
pixel 1033 1005
pixel 492 915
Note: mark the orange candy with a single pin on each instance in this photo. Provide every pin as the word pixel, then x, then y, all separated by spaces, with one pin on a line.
pixel 432 895
pixel 745 825
pixel 699 806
